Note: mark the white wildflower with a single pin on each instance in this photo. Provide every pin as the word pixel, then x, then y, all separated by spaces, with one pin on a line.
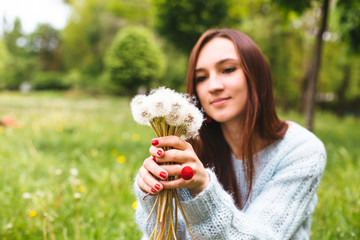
pixel 74 171
pixel 58 172
pixel 26 195
pixel 77 195
pixel 9 226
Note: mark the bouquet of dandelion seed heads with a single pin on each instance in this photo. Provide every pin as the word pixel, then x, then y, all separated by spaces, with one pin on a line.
pixel 168 113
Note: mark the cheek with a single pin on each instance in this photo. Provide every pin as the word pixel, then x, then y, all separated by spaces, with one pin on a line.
pixel 200 93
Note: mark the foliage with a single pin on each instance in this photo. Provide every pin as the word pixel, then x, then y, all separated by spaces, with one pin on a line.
pixel 49 80
pixel 182 22
pixel 85 39
pixel 134 60
pixel 61 133
pixel 349 18
pixel 78 51
pixel 45 44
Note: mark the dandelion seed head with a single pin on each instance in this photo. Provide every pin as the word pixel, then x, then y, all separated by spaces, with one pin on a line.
pixel 159 105
pixel 9 226
pixel 179 110
pixel 140 110
pixel 77 195
pixel 74 171
pixel 26 195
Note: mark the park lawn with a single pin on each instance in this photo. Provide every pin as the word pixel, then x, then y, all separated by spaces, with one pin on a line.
pixel 67 169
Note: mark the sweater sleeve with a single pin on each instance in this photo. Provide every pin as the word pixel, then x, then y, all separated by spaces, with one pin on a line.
pixel 275 213
pixel 144 208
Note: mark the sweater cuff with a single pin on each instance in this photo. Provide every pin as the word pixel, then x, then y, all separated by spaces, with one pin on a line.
pixel 209 201
pixel 146 203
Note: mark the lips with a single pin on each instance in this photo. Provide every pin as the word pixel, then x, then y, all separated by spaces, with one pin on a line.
pixel 219 101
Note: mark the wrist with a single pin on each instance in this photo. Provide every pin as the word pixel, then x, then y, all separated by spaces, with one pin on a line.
pixel 198 189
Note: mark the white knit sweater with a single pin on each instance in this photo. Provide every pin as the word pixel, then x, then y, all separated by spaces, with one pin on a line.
pixel 281 203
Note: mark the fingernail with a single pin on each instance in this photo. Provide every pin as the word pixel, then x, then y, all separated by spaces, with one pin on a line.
pixel 155 142
pixel 154 158
pixel 153 190
pixel 163 175
pixel 159 152
pixel 157 186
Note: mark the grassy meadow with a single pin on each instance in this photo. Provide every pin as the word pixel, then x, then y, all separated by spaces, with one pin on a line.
pixel 67 169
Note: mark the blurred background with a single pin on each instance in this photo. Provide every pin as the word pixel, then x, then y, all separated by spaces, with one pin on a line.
pixel 116 46
pixel 68 69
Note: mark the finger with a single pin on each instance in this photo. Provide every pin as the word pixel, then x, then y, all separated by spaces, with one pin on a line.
pixel 172 169
pixel 156 152
pixel 143 186
pixel 152 167
pixel 177 183
pixel 170 141
pixel 149 179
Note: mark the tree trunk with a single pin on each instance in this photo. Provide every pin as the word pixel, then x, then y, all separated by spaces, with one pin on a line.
pixel 340 108
pixel 312 73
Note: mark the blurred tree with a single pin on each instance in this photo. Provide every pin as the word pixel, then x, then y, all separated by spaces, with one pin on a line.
pixel 18 63
pixel 44 43
pixel 91 29
pixel 349 28
pixel 183 21
pixel 14 38
pixel 134 60
pixel 81 37
pixel 309 86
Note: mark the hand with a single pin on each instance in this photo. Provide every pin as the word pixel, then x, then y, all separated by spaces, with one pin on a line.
pixel 182 154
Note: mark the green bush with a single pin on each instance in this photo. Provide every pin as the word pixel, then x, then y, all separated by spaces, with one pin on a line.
pixel 49 80
pixel 134 60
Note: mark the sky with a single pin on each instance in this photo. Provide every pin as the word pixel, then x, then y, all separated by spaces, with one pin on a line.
pixel 33 12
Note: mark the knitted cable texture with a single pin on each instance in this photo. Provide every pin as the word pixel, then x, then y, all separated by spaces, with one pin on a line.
pixel 281 203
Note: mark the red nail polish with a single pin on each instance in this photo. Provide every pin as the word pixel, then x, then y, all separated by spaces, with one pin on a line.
pixel 159 152
pixel 153 190
pixel 163 175
pixel 157 186
pixel 154 158
pixel 154 142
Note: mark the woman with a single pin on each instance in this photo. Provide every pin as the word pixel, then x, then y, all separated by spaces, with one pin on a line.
pixel 255 176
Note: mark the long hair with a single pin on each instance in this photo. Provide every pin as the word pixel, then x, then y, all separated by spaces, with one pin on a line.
pixel 260 118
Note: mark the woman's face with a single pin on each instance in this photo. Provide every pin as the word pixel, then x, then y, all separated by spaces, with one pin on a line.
pixel 220 81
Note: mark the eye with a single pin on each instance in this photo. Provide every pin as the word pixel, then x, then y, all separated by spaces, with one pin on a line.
pixel 200 79
pixel 229 70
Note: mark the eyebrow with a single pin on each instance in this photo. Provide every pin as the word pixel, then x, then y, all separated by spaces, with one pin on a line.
pixel 220 63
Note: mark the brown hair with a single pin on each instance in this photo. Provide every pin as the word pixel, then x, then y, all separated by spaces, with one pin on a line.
pixel 260 116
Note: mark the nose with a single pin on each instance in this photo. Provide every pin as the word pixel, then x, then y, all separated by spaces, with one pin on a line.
pixel 215 83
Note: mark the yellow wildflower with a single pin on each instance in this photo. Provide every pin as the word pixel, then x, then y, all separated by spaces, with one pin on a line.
pixel 1 130
pixel 135 137
pixel 32 213
pixel 82 188
pixel 94 152
pixel 134 204
pixel 59 128
pixel 121 159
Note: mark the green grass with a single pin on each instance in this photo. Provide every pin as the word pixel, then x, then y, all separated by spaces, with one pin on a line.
pixel 58 133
